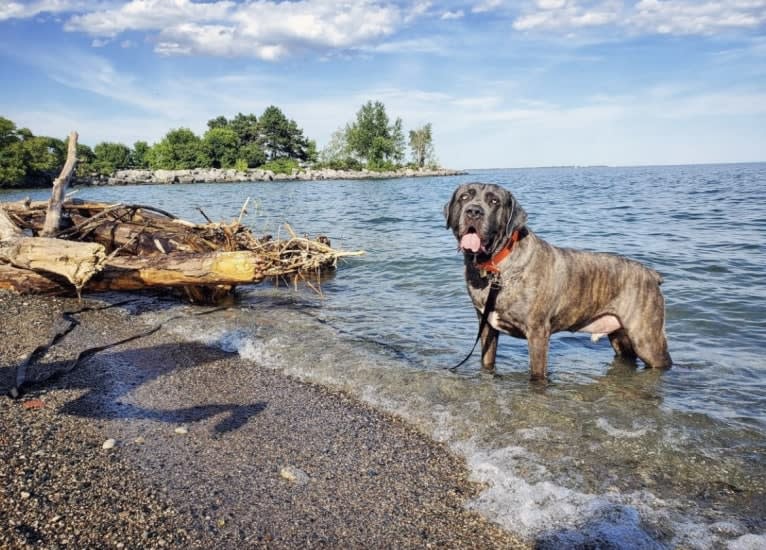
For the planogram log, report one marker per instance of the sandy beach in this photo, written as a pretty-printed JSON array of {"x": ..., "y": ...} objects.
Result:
[{"x": 210, "y": 450}]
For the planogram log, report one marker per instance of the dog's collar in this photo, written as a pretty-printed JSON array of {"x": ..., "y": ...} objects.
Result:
[{"x": 493, "y": 264}]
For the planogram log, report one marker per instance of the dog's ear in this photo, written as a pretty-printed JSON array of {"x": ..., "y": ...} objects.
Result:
[
  {"x": 515, "y": 215},
  {"x": 450, "y": 211}
]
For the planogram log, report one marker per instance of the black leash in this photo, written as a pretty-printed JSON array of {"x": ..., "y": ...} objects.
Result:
[{"x": 489, "y": 307}]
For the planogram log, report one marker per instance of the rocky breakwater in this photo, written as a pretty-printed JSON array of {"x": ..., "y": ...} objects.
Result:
[{"x": 219, "y": 175}]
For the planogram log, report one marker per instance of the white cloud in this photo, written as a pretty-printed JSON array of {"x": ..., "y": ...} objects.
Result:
[
  {"x": 447, "y": 15},
  {"x": 688, "y": 17},
  {"x": 562, "y": 14},
  {"x": 487, "y": 5},
  {"x": 646, "y": 16},
  {"x": 23, "y": 10},
  {"x": 263, "y": 28},
  {"x": 147, "y": 15}
]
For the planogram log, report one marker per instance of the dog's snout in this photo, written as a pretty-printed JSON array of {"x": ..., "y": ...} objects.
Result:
[{"x": 474, "y": 211}]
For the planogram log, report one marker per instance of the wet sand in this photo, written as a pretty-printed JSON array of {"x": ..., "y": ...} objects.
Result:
[{"x": 211, "y": 451}]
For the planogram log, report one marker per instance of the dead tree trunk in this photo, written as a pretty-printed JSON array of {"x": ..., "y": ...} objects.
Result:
[{"x": 53, "y": 215}]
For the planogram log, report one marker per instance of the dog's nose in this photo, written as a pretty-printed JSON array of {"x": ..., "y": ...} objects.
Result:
[{"x": 474, "y": 211}]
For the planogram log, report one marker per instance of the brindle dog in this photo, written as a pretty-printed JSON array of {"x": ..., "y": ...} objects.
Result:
[{"x": 546, "y": 289}]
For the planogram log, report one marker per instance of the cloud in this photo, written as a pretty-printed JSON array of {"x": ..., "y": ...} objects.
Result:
[
  {"x": 563, "y": 14},
  {"x": 487, "y": 5},
  {"x": 645, "y": 16},
  {"x": 264, "y": 29},
  {"x": 24, "y": 10},
  {"x": 447, "y": 15},
  {"x": 142, "y": 15},
  {"x": 687, "y": 17}
]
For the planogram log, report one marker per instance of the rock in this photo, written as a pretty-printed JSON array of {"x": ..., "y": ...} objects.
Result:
[
  {"x": 229, "y": 175},
  {"x": 25, "y": 495},
  {"x": 181, "y": 430},
  {"x": 294, "y": 475},
  {"x": 139, "y": 440},
  {"x": 109, "y": 444}
]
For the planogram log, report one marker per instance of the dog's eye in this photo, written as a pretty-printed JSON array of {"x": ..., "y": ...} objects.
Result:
[
  {"x": 465, "y": 197},
  {"x": 494, "y": 201}
]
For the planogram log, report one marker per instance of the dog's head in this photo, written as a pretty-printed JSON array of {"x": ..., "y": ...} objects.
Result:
[{"x": 483, "y": 216}]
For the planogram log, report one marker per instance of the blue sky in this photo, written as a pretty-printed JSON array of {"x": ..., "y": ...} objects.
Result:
[{"x": 504, "y": 83}]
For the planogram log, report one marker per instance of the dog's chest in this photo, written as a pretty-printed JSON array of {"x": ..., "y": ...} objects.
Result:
[{"x": 500, "y": 318}]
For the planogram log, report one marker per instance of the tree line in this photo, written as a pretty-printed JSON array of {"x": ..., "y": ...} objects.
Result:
[{"x": 271, "y": 141}]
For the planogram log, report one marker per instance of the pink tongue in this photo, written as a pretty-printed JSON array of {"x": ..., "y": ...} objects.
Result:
[{"x": 470, "y": 241}]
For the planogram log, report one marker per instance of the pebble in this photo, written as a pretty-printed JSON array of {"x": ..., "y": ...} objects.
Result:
[
  {"x": 109, "y": 444},
  {"x": 182, "y": 430},
  {"x": 294, "y": 475},
  {"x": 139, "y": 440},
  {"x": 25, "y": 495}
]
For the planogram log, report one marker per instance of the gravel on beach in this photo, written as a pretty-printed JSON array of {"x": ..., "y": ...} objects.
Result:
[{"x": 162, "y": 443}]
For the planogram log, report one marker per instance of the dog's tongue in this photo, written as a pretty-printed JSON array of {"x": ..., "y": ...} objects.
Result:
[{"x": 471, "y": 241}]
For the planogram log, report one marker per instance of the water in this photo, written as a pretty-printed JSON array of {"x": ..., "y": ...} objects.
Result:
[{"x": 607, "y": 454}]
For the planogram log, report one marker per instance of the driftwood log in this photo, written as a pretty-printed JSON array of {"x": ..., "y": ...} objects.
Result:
[{"x": 66, "y": 245}]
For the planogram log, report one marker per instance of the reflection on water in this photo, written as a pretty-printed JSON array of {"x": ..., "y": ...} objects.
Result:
[{"x": 608, "y": 453}]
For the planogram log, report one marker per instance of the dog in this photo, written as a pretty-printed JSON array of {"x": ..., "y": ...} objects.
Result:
[{"x": 535, "y": 289}]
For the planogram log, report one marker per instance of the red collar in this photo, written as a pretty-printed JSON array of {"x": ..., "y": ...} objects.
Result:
[{"x": 492, "y": 265}]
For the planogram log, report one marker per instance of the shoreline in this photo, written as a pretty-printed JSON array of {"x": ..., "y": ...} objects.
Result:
[
  {"x": 261, "y": 459},
  {"x": 221, "y": 175}
]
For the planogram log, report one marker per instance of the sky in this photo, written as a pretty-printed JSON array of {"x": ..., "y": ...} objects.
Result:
[{"x": 504, "y": 83}]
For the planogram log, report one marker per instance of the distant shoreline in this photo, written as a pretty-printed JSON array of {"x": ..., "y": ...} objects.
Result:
[{"x": 221, "y": 175}]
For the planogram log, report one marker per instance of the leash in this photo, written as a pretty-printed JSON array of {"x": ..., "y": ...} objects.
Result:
[
  {"x": 491, "y": 266},
  {"x": 489, "y": 307}
]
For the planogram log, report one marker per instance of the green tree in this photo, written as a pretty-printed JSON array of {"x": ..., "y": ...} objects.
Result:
[
  {"x": 110, "y": 157},
  {"x": 397, "y": 137},
  {"x": 217, "y": 122},
  {"x": 246, "y": 128},
  {"x": 12, "y": 165},
  {"x": 180, "y": 149},
  {"x": 139, "y": 155},
  {"x": 373, "y": 139},
  {"x": 85, "y": 158},
  {"x": 274, "y": 133},
  {"x": 421, "y": 145},
  {"x": 8, "y": 133},
  {"x": 13, "y": 169},
  {"x": 221, "y": 146},
  {"x": 252, "y": 155}
]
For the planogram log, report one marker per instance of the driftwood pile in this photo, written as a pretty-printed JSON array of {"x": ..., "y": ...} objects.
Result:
[{"x": 65, "y": 245}]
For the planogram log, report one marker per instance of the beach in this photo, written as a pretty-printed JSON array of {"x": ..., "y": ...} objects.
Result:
[{"x": 209, "y": 449}]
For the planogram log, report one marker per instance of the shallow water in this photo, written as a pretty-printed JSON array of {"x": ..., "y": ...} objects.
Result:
[{"x": 609, "y": 453}]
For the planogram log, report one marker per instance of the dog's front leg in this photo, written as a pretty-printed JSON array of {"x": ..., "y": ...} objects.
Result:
[
  {"x": 538, "y": 340},
  {"x": 489, "y": 338}
]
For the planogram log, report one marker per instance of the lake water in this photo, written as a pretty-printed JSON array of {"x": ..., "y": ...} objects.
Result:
[{"x": 609, "y": 453}]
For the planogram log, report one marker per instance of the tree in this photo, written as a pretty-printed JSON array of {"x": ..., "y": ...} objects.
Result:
[
  {"x": 397, "y": 137},
  {"x": 180, "y": 149},
  {"x": 372, "y": 139},
  {"x": 252, "y": 154},
  {"x": 421, "y": 145},
  {"x": 139, "y": 156},
  {"x": 274, "y": 133},
  {"x": 85, "y": 158},
  {"x": 217, "y": 122},
  {"x": 8, "y": 133},
  {"x": 246, "y": 128},
  {"x": 111, "y": 157},
  {"x": 221, "y": 146}
]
